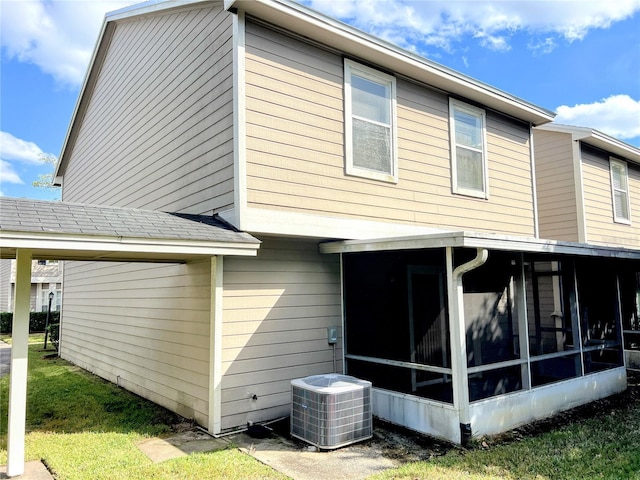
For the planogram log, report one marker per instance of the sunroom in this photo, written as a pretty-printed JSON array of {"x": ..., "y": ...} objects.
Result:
[{"x": 470, "y": 334}]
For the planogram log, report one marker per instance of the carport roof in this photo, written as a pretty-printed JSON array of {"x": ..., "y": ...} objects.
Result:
[{"x": 75, "y": 231}]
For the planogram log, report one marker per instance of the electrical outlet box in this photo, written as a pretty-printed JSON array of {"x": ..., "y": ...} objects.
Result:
[{"x": 332, "y": 335}]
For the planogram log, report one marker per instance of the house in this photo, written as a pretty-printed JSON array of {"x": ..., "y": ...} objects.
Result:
[
  {"x": 589, "y": 191},
  {"x": 394, "y": 198},
  {"x": 46, "y": 278}
]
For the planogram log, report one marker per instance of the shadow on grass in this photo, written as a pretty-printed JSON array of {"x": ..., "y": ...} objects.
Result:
[{"x": 64, "y": 398}]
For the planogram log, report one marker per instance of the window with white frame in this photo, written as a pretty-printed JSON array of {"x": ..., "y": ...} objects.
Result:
[
  {"x": 620, "y": 190},
  {"x": 468, "y": 149},
  {"x": 370, "y": 123}
]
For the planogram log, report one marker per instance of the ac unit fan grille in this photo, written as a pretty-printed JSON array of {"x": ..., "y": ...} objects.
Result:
[{"x": 331, "y": 420}]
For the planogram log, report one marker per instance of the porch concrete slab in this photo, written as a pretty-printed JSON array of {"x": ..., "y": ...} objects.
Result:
[
  {"x": 300, "y": 461},
  {"x": 34, "y": 470}
]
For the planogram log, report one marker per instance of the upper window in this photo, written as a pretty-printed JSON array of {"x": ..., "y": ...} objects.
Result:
[
  {"x": 370, "y": 123},
  {"x": 620, "y": 190},
  {"x": 468, "y": 151}
]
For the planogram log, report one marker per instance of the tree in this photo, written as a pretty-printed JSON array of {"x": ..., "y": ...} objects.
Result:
[{"x": 45, "y": 180}]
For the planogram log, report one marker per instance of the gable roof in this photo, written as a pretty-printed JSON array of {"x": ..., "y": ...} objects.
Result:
[
  {"x": 73, "y": 231},
  {"x": 301, "y": 20},
  {"x": 595, "y": 138}
]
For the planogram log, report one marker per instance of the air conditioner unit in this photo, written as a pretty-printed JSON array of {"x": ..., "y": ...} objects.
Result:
[{"x": 331, "y": 411}]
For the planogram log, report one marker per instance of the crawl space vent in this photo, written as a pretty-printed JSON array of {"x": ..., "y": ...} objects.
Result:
[{"x": 331, "y": 411}]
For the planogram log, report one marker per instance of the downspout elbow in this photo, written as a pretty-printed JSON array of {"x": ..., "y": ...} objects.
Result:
[{"x": 481, "y": 257}]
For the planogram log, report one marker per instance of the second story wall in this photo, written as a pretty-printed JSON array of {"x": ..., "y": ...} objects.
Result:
[
  {"x": 158, "y": 129},
  {"x": 296, "y": 148},
  {"x": 598, "y": 200},
  {"x": 555, "y": 185}
]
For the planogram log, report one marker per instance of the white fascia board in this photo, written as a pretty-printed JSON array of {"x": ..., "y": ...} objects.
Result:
[
  {"x": 71, "y": 243},
  {"x": 479, "y": 240},
  {"x": 342, "y": 37}
]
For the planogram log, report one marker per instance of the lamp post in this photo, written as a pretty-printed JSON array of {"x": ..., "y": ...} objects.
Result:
[{"x": 46, "y": 325}]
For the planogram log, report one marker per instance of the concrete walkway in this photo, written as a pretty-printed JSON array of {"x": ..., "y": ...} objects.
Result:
[
  {"x": 5, "y": 358},
  {"x": 296, "y": 459}
]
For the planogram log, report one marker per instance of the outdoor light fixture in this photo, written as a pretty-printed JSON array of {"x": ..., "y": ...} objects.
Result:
[{"x": 46, "y": 325}]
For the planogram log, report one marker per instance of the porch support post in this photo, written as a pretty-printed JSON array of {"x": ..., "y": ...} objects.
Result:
[
  {"x": 458, "y": 335},
  {"x": 19, "y": 360},
  {"x": 215, "y": 346}
]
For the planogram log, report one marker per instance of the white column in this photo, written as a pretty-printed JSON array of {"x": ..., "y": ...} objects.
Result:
[
  {"x": 215, "y": 346},
  {"x": 19, "y": 358}
]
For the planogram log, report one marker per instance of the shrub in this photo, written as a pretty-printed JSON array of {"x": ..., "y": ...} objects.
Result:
[
  {"x": 37, "y": 321},
  {"x": 54, "y": 334}
]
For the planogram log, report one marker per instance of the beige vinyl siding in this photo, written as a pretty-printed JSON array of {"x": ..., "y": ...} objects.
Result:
[
  {"x": 276, "y": 310},
  {"x": 144, "y": 327},
  {"x": 295, "y": 148},
  {"x": 157, "y": 132},
  {"x": 5, "y": 286},
  {"x": 601, "y": 227},
  {"x": 555, "y": 186}
]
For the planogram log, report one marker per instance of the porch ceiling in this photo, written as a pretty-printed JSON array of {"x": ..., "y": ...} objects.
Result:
[
  {"x": 73, "y": 231},
  {"x": 479, "y": 240}
]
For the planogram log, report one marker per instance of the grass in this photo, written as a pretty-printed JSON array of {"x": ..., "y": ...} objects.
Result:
[{"x": 83, "y": 427}]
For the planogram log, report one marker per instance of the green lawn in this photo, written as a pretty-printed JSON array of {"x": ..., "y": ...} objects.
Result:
[{"x": 82, "y": 427}]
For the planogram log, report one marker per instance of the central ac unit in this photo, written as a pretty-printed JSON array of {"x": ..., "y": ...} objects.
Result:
[{"x": 331, "y": 411}]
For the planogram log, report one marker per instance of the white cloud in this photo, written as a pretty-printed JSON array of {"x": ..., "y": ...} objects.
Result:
[
  {"x": 617, "y": 115},
  {"x": 57, "y": 36},
  {"x": 444, "y": 23},
  {"x": 12, "y": 148},
  {"x": 8, "y": 174}
]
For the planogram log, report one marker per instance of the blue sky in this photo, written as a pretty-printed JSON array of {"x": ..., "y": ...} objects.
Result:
[{"x": 580, "y": 59}]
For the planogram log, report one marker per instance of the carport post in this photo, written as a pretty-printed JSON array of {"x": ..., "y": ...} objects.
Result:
[{"x": 19, "y": 359}]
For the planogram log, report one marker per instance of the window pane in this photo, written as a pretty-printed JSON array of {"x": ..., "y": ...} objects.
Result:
[
  {"x": 468, "y": 129},
  {"x": 494, "y": 382},
  {"x": 469, "y": 169},
  {"x": 370, "y": 100},
  {"x": 621, "y": 204},
  {"x": 371, "y": 146},
  {"x": 618, "y": 176}
]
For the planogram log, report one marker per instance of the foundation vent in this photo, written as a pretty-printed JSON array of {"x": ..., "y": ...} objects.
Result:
[{"x": 331, "y": 411}]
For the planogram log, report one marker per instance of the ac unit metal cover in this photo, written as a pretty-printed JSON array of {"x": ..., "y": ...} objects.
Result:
[{"x": 331, "y": 411}]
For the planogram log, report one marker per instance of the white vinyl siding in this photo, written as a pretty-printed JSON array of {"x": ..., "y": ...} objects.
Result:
[
  {"x": 468, "y": 151},
  {"x": 276, "y": 310},
  {"x": 370, "y": 123},
  {"x": 620, "y": 191}
]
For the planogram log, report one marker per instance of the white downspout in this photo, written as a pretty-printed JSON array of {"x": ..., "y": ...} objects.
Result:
[
  {"x": 458, "y": 336},
  {"x": 19, "y": 361}
]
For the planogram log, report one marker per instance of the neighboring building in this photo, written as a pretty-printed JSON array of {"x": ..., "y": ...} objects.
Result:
[
  {"x": 588, "y": 188},
  {"x": 394, "y": 199},
  {"x": 46, "y": 278}
]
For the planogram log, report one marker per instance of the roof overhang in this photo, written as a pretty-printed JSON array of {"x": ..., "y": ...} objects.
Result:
[
  {"x": 75, "y": 231},
  {"x": 297, "y": 18},
  {"x": 596, "y": 139},
  {"x": 479, "y": 240},
  {"x": 58, "y": 246}
]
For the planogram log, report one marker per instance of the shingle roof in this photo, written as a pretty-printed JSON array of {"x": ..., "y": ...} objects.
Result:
[{"x": 113, "y": 227}]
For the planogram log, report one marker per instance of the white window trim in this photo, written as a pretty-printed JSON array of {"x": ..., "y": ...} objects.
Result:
[
  {"x": 470, "y": 109},
  {"x": 376, "y": 76},
  {"x": 614, "y": 161}
]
